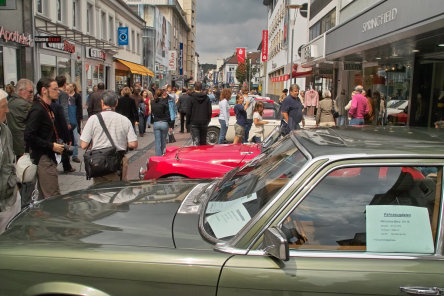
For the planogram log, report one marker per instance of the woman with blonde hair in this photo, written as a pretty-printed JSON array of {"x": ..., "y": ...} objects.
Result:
[
  {"x": 324, "y": 115},
  {"x": 224, "y": 114},
  {"x": 257, "y": 132}
]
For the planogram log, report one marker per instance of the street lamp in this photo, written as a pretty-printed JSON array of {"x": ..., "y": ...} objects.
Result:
[{"x": 292, "y": 6}]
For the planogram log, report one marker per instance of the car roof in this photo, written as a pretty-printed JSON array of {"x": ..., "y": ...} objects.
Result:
[{"x": 372, "y": 141}]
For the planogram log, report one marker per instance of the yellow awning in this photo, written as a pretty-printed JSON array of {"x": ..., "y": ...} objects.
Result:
[{"x": 136, "y": 68}]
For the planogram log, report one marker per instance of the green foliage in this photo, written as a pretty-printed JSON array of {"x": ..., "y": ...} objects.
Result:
[{"x": 241, "y": 73}]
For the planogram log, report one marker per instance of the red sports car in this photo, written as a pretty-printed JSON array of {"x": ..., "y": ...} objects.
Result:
[{"x": 208, "y": 161}]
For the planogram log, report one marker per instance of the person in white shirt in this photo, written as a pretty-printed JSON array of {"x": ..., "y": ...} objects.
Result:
[
  {"x": 224, "y": 115},
  {"x": 120, "y": 129},
  {"x": 257, "y": 131}
]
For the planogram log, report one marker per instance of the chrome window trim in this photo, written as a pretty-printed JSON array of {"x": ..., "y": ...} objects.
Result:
[{"x": 353, "y": 255}]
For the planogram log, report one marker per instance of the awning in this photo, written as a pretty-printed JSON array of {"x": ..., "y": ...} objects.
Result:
[{"x": 136, "y": 68}]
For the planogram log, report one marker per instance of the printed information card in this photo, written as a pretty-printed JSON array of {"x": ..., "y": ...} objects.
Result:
[{"x": 400, "y": 229}]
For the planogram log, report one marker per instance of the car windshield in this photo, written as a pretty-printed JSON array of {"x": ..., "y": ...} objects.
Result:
[{"x": 242, "y": 193}]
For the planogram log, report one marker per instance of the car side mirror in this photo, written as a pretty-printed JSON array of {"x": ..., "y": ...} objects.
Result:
[{"x": 275, "y": 244}]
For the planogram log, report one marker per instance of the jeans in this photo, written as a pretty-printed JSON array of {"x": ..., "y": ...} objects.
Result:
[
  {"x": 199, "y": 133},
  {"x": 141, "y": 123},
  {"x": 342, "y": 120},
  {"x": 247, "y": 130},
  {"x": 356, "y": 121},
  {"x": 75, "y": 143},
  {"x": 223, "y": 132},
  {"x": 160, "y": 134}
]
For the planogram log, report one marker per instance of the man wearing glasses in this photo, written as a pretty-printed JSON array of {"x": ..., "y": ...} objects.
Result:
[
  {"x": 42, "y": 137},
  {"x": 19, "y": 106}
]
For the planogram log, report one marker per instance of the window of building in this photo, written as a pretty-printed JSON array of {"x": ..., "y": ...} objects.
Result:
[
  {"x": 111, "y": 32},
  {"x": 76, "y": 14},
  {"x": 133, "y": 41},
  {"x": 103, "y": 19},
  {"x": 90, "y": 19},
  {"x": 40, "y": 6},
  {"x": 338, "y": 214},
  {"x": 323, "y": 25},
  {"x": 59, "y": 10},
  {"x": 138, "y": 43}
]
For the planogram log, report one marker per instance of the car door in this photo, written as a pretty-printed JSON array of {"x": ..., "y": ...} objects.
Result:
[{"x": 352, "y": 234}]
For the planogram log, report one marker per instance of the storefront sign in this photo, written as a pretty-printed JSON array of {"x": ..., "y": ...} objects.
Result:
[
  {"x": 264, "y": 45},
  {"x": 15, "y": 37},
  {"x": 65, "y": 46},
  {"x": 95, "y": 53},
  {"x": 352, "y": 67},
  {"x": 48, "y": 39},
  {"x": 181, "y": 59},
  {"x": 172, "y": 60},
  {"x": 380, "y": 20}
]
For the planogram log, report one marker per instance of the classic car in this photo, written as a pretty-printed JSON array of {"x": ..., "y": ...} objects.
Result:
[
  {"x": 205, "y": 161},
  {"x": 286, "y": 223}
]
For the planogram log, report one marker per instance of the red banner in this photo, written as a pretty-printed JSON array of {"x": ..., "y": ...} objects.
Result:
[
  {"x": 240, "y": 55},
  {"x": 264, "y": 45}
]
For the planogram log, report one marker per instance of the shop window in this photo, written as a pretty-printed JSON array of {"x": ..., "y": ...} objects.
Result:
[
  {"x": 64, "y": 67},
  {"x": 48, "y": 66},
  {"x": 2, "y": 77},
  {"x": 369, "y": 209}
]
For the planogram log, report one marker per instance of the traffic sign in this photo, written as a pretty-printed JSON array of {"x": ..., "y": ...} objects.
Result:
[{"x": 122, "y": 34}]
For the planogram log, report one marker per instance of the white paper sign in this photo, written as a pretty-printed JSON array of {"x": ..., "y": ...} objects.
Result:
[
  {"x": 401, "y": 229},
  {"x": 230, "y": 221},
  {"x": 217, "y": 206}
]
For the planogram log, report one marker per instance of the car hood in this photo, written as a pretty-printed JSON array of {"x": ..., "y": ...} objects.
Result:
[
  {"x": 227, "y": 154},
  {"x": 136, "y": 214}
]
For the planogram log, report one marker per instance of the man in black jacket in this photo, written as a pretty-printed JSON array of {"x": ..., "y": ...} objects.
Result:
[
  {"x": 184, "y": 108},
  {"x": 41, "y": 136},
  {"x": 200, "y": 115}
]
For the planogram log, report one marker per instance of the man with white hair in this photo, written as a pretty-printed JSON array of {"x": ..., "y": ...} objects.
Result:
[
  {"x": 19, "y": 105},
  {"x": 9, "y": 196}
]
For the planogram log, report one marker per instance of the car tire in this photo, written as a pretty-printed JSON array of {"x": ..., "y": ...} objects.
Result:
[{"x": 213, "y": 135}]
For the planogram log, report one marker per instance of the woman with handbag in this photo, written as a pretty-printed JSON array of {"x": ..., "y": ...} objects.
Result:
[
  {"x": 160, "y": 117},
  {"x": 326, "y": 109}
]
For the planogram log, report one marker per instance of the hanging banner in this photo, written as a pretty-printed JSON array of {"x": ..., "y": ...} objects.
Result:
[
  {"x": 181, "y": 59},
  {"x": 240, "y": 55},
  {"x": 264, "y": 45},
  {"x": 122, "y": 35},
  {"x": 172, "y": 60}
]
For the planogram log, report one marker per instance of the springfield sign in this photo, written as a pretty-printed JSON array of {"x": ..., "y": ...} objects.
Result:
[
  {"x": 380, "y": 20},
  {"x": 15, "y": 37}
]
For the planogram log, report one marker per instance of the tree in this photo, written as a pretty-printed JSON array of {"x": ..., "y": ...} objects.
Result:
[{"x": 241, "y": 73}]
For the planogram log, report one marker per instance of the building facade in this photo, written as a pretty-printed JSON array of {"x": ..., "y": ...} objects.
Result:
[
  {"x": 16, "y": 42},
  {"x": 392, "y": 47},
  {"x": 287, "y": 27},
  {"x": 89, "y": 52}
]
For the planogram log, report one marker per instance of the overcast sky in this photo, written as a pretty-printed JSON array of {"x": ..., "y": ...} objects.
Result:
[{"x": 224, "y": 25}]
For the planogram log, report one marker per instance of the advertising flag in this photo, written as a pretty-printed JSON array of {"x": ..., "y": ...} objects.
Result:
[
  {"x": 240, "y": 55},
  {"x": 264, "y": 45}
]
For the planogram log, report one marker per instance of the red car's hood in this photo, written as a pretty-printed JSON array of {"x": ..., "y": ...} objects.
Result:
[{"x": 228, "y": 154}]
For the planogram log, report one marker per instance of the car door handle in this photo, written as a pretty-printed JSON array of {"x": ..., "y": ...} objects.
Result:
[
  {"x": 247, "y": 152},
  {"x": 422, "y": 290}
]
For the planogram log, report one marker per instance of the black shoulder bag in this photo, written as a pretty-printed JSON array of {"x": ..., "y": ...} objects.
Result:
[{"x": 101, "y": 162}]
